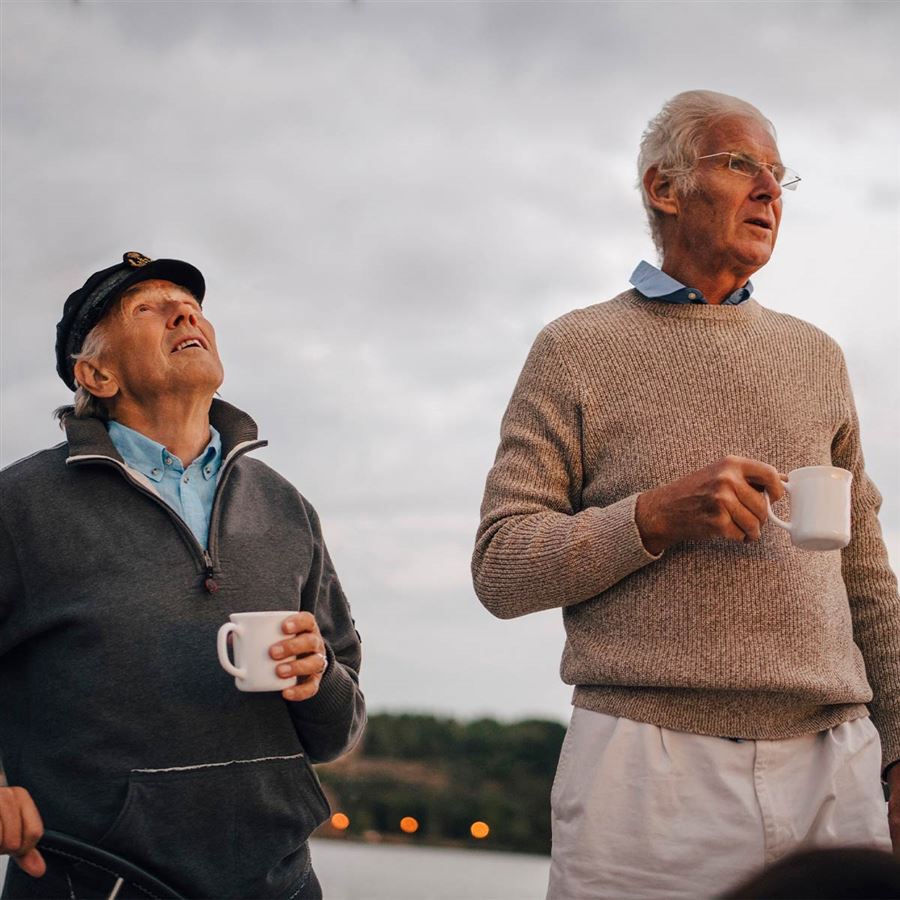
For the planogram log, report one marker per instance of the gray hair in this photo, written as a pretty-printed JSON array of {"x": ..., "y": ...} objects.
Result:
[{"x": 672, "y": 140}]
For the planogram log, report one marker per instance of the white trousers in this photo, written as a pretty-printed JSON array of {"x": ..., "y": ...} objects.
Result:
[{"x": 644, "y": 812}]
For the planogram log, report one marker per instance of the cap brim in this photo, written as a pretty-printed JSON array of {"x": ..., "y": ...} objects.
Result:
[{"x": 174, "y": 270}]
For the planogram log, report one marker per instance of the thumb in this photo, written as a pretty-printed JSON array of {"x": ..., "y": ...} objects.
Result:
[{"x": 32, "y": 863}]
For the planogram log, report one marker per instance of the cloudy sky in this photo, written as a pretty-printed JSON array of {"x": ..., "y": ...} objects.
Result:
[{"x": 388, "y": 201}]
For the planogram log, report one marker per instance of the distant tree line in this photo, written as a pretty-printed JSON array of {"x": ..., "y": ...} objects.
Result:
[{"x": 446, "y": 775}]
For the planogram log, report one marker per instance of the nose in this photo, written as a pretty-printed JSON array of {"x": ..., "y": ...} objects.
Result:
[
  {"x": 182, "y": 313},
  {"x": 766, "y": 188}
]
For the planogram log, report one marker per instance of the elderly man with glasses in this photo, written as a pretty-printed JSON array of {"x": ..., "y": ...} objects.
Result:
[{"x": 735, "y": 696}]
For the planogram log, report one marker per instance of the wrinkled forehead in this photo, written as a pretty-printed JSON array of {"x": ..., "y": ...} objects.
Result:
[{"x": 741, "y": 135}]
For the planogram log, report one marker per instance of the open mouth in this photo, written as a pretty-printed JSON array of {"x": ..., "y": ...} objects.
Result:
[{"x": 187, "y": 343}]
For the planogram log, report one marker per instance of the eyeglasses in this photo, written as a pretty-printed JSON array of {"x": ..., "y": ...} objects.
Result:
[{"x": 750, "y": 168}]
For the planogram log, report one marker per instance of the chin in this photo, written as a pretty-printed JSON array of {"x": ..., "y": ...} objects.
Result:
[
  {"x": 215, "y": 381},
  {"x": 754, "y": 257}
]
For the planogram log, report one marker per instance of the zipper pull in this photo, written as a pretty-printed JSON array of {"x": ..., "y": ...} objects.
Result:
[{"x": 209, "y": 582}]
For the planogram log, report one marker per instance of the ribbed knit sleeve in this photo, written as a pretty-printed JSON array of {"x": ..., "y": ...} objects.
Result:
[
  {"x": 332, "y": 721},
  {"x": 536, "y": 547},
  {"x": 871, "y": 584}
]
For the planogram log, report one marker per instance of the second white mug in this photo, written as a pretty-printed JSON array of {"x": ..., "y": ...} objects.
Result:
[{"x": 820, "y": 508}]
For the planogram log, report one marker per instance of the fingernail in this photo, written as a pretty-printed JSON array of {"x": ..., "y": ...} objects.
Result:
[
  {"x": 284, "y": 669},
  {"x": 290, "y": 693},
  {"x": 278, "y": 652},
  {"x": 291, "y": 626}
]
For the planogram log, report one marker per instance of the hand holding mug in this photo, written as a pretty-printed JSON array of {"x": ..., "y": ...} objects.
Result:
[
  {"x": 265, "y": 661},
  {"x": 301, "y": 655},
  {"x": 725, "y": 499}
]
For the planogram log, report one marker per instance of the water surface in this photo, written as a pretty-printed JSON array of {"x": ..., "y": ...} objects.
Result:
[{"x": 390, "y": 872}]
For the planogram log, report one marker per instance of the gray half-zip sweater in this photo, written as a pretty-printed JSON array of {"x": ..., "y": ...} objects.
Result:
[{"x": 114, "y": 711}]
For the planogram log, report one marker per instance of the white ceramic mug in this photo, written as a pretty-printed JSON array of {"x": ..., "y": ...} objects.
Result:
[
  {"x": 254, "y": 634},
  {"x": 820, "y": 508}
]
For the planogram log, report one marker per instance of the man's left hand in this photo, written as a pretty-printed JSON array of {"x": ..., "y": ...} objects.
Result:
[
  {"x": 893, "y": 780},
  {"x": 302, "y": 654}
]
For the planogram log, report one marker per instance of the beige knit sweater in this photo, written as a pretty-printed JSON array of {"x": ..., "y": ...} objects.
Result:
[{"x": 756, "y": 640}]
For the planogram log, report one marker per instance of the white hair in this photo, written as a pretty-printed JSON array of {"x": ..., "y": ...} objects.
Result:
[
  {"x": 85, "y": 404},
  {"x": 673, "y": 138}
]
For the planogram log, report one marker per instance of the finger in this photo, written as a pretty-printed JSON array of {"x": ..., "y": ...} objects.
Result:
[
  {"x": 296, "y": 623},
  {"x": 764, "y": 475},
  {"x": 32, "y": 825},
  {"x": 304, "y": 643},
  {"x": 753, "y": 500},
  {"x": 304, "y": 690},
  {"x": 313, "y": 664},
  {"x": 745, "y": 520},
  {"x": 11, "y": 823},
  {"x": 726, "y": 527},
  {"x": 32, "y": 863}
]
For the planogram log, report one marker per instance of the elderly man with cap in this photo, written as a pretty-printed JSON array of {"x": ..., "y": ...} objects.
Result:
[
  {"x": 122, "y": 552},
  {"x": 735, "y": 696}
]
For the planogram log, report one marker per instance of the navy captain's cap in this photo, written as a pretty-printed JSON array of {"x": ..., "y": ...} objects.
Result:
[{"x": 86, "y": 307}]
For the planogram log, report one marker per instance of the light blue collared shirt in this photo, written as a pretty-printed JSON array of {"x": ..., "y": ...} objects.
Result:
[
  {"x": 189, "y": 492},
  {"x": 656, "y": 285}
]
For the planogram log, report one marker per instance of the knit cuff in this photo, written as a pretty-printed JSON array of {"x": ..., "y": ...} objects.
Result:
[
  {"x": 632, "y": 500},
  {"x": 335, "y": 694},
  {"x": 620, "y": 537}
]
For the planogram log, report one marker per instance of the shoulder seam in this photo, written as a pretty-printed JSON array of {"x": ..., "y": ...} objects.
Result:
[{"x": 25, "y": 459}]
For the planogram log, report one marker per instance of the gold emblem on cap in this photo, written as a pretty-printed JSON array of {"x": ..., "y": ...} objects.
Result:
[{"x": 135, "y": 259}]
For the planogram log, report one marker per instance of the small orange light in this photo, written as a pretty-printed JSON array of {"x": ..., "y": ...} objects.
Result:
[
  {"x": 480, "y": 830},
  {"x": 340, "y": 821},
  {"x": 408, "y": 825}
]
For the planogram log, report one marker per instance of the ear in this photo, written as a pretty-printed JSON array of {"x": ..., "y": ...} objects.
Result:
[
  {"x": 660, "y": 191},
  {"x": 97, "y": 380}
]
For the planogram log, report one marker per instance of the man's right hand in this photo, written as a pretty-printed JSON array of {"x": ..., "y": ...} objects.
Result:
[
  {"x": 20, "y": 830},
  {"x": 725, "y": 499}
]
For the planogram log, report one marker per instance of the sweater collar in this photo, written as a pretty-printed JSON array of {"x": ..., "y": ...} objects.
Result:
[{"x": 89, "y": 437}]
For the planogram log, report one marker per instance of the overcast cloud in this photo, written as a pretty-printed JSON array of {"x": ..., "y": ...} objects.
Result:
[{"x": 388, "y": 200}]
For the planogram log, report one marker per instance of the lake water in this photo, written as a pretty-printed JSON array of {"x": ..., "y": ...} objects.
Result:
[
  {"x": 351, "y": 871},
  {"x": 390, "y": 872}
]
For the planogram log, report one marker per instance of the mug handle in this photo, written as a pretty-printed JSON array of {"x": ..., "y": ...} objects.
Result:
[
  {"x": 772, "y": 517},
  {"x": 222, "y": 647}
]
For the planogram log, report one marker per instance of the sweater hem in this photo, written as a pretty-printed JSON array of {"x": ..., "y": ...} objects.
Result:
[{"x": 735, "y": 714}]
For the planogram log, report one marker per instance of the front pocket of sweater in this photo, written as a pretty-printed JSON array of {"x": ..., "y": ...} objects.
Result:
[{"x": 230, "y": 829}]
